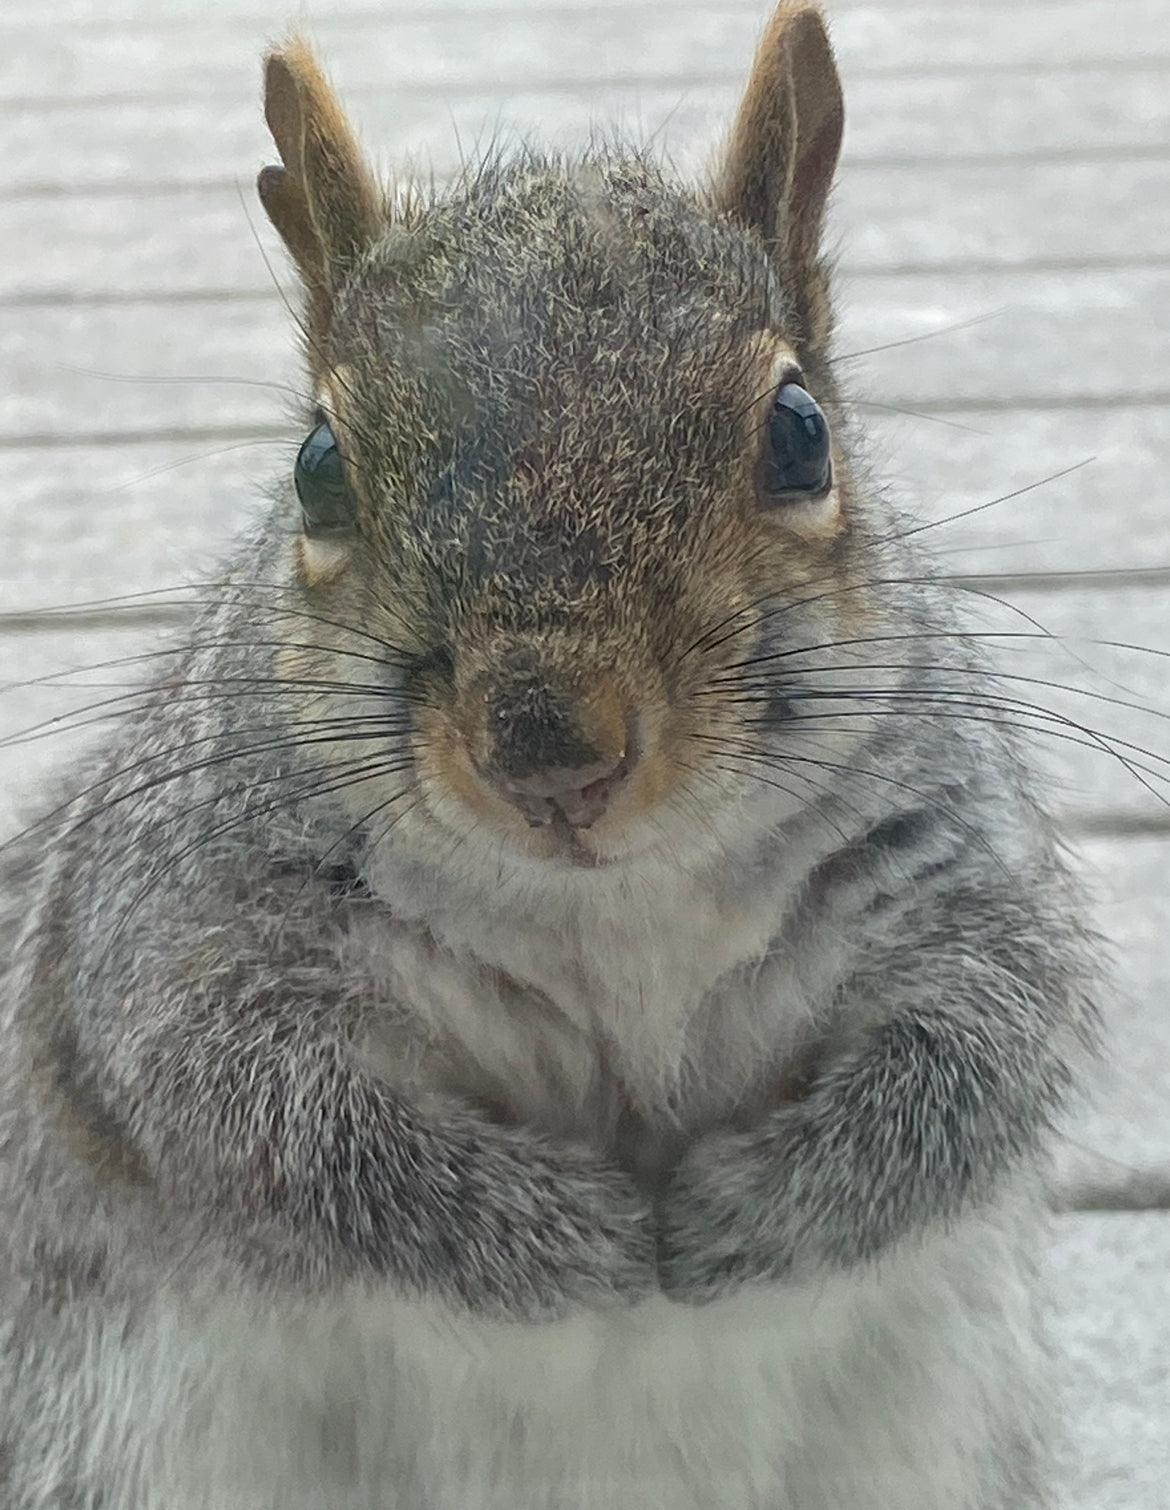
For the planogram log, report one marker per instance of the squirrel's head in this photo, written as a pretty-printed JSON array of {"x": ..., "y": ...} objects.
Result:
[{"x": 574, "y": 483}]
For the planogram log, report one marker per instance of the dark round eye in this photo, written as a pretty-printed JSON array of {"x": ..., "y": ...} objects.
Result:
[
  {"x": 796, "y": 457},
  {"x": 326, "y": 501}
]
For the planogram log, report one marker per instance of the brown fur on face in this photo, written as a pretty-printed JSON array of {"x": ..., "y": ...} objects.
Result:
[{"x": 551, "y": 389}]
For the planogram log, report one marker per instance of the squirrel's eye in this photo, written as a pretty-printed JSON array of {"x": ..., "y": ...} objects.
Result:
[
  {"x": 797, "y": 454},
  {"x": 326, "y": 501}
]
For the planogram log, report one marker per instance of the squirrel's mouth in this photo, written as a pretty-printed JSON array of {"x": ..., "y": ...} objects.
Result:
[{"x": 569, "y": 800}]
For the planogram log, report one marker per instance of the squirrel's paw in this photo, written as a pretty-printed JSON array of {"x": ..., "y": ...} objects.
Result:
[
  {"x": 617, "y": 1253},
  {"x": 580, "y": 1229},
  {"x": 722, "y": 1221}
]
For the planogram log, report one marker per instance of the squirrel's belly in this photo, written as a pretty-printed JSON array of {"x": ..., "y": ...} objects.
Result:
[{"x": 372, "y": 1403}]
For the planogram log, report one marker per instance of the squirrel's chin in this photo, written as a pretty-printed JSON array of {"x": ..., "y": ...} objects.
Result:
[{"x": 570, "y": 846}]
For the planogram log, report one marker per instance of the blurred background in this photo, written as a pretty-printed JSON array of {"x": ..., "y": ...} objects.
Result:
[{"x": 1003, "y": 228}]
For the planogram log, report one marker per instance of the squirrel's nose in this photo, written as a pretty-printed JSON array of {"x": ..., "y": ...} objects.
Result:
[
  {"x": 578, "y": 794},
  {"x": 557, "y": 756}
]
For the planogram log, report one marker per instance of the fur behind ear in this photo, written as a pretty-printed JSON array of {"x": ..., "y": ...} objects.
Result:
[
  {"x": 783, "y": 153},
  {"x": 324, "y": 201}
]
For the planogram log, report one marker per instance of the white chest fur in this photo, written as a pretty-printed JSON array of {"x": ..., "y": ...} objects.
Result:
[
  {"x": 789, "y": 1398},
  {"x": 658, "y": 993}
]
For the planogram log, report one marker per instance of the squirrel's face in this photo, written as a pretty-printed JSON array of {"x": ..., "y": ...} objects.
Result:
[{"x": 575, "y": 468}]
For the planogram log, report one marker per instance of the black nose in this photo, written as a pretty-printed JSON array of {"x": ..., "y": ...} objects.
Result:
[{"x": 543, "y": 764}]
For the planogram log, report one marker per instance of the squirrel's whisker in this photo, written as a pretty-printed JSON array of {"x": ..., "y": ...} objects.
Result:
[
  {"x": 932, "y": 419},
  {"x": 174, "y": 773},
  {"x": 928, "y": 335},
  {"x": 786, "y": 759},
  {"x": 223, "y": 829}
]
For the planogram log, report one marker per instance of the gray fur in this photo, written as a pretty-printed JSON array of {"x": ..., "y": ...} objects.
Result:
[{"x": 355, "y": 1157}]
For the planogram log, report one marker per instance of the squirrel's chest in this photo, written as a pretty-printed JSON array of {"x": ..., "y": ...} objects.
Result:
[{"x": 586, "y": 1021}]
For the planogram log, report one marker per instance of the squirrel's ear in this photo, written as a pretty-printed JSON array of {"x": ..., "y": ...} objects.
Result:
[
  {"x": 324, "y": 201},
  {"x": 783, "y": 152}
]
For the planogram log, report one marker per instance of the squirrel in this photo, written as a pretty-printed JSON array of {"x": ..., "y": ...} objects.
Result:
[{"x": 558, "y": 997}]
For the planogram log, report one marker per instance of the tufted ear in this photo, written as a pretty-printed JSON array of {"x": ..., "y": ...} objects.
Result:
[
  {"x": 324, "y": 201},
  {"x": 783, "y": 153}
]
